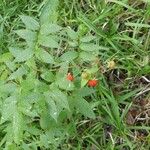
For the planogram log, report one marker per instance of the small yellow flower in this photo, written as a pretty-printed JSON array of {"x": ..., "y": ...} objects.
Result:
[
  {"x": 85, "y": 75},
  {"x": 111, "y": 64}
]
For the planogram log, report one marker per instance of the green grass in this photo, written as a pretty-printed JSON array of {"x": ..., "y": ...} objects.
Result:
[
  {"x": 9, "y": 18},
  {"x": 122, "y": 30}
]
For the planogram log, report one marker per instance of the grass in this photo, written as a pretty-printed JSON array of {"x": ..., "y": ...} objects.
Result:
[
  {"x": 121, "y": 101},
  {"x": 9, "y": 18}
]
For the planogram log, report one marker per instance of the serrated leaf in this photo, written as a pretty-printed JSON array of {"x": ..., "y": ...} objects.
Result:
[
  {"x": 64, "y": 84},
  {"x": 27, "y": 35},
  {"x": 50, "y": 28},
  {"x": 84, "y": 107},
  {"x": 17, "y": 126},
  {"x": 30, "y": 22},
  {"x": 60, "y": 98},
  {"x": 8, "y": 108},
  {"x": 20, "y": 54},
  {"x": 46, "y": 121},
  {"x": 73, "y": 43},
  {"x": 26, "y": 111},
  {"x": 4, "y": 75},
  {"x": 63, "y": 70},
  {"x": 49, "y": 12},
  {"x": 48, "y": 76},
  {"x": 6, "y": 57},
  {"x": 2, "y": 68},
  {"x": 44, "y": 140},
  {"x": 72, "y": 34},
  {"x": 57, "y": 101},
  {"x": 11, "y": 65},
  {"x": 93, "y": 70},
  {"x": 90, "y": 47},
  {"x": 69, "y": 56},
  {"x": 28, "y": 84},
  {"x": 26, "y": 146},
  {"x": 18, "y": 73},
  {"x": 8, "y": 88},
  {"x": 45, "y": 56},
  {"x": 53, "y": 109},
  {"x": 41, "y": 86},
  {"x": 33, "y": 130},
  {"x": 48, "y": 41},
  {"x": 88, "y": 38},
  {"x": 85, "y": 91},
  {"x": 86, "y": 56},
  {"x": 61, "y": 80}
]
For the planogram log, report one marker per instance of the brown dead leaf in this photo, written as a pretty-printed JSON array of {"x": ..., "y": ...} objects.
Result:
[{"x": 130, "y": 119}]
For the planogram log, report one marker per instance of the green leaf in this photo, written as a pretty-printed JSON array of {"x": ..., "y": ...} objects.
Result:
[
  {"x": 48, "y": 76},
  {"x": 48, "y": 41},
  {"x": 20, "y": 54},
  {"x": 64, "y": 84},
  {"x": 63, "y": 70},
  {"x": 33, "y": 130},
  {"x": 45, "y": 57},
  {"x": 10, "y": 146},
  {"x": 18, "y": 73},
  {"x": 8, "y": 108},
  {"x": 6, "y": 57},
  {"x": 8, "y": 88},
  {"x": 11, "y": 65},
  {"x": 85, "y": 91},
  {"x": 46, "y": 121},
  {"x": 84, "y": 107},
  {"x": 69, "y": 56},
  {"x": 26, "y": 111},
  {"x": 48, "y": 13},
  {"x": 44, "y": 140},
  {"x": 26, "y": 34},
  {"x": 90, "y": 47},
  {"x": 17, "y": 126},
  {"x": 61, "y": 79},
  {"x": 57, "y": 101},
  {"x": 60, "y": 98},
  {"x": 2, "y": 68},
  {"x": 72, "y": 34},
  {"x": 53, "y": 109},
  {"x": 50, "y": 28},
  {"x": 73, "y": 43},
  {"x": 86, "y": 56},
  {"x": 93, "y": 70},
  {"x": 84, "y": 82},
  {"x": 88, "y": 38},
  {"x": 4, "y": 75},
  {"x": 30, "y": 22},
  {"x": 26, "y": 146}
]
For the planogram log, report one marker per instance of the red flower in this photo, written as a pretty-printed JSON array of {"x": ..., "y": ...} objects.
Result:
[
  {"x": 70, "y": 77},
  {"x": 92, "y": 83}
]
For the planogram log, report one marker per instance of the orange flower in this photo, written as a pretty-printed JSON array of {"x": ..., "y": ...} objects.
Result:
[
  {"x": 92, "y": 83},
  {"x": 70, "y": 77}
]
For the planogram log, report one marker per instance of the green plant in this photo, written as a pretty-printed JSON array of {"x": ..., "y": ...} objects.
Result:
[
  {"x": 36, "y": 96},
  {"x": 71, "y": 75}
]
